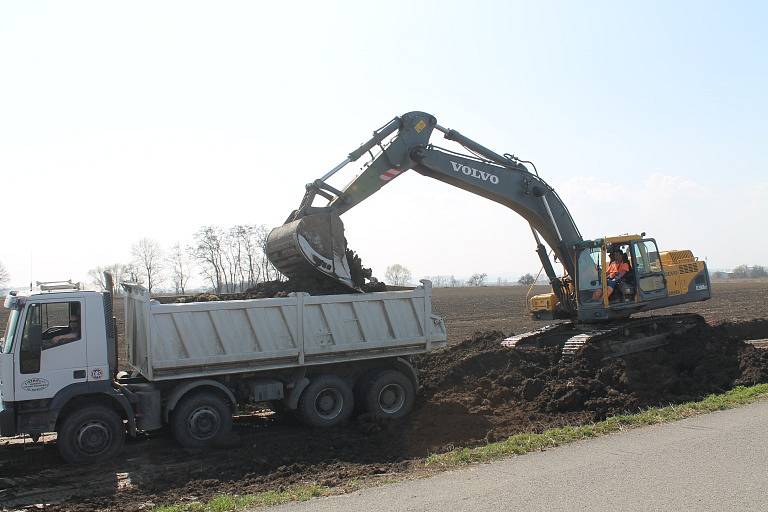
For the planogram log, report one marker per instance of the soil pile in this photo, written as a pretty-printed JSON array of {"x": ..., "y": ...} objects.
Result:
[
  {"x": 319, "y": 284},
  {"x": 508, "y": 391}
]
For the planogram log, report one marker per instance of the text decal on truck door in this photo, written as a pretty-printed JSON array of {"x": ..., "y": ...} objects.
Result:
[{"x": 35, "y": 384}]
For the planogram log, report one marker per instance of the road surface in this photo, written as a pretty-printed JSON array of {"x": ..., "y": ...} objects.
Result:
[{"x": 714, "y": 462}]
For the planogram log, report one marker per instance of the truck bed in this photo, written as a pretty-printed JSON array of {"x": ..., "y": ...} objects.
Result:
[{"x": 172, "y": 341}]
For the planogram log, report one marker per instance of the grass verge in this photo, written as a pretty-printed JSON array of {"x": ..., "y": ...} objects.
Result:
[
  {"x": 232, "y": 503},
  {"x": 514, "y": 445},
  {"x": 525, "y": 443}
]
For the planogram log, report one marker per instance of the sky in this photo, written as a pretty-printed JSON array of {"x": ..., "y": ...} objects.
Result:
[{"x": 124, "y": 120}]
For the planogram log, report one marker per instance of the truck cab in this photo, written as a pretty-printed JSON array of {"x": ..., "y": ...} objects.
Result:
[{"x": 58, "y": 348}]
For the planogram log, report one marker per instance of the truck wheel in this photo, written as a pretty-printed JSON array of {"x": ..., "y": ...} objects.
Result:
[
  {"x": 389, "y": 395},
  {"x": 327, "y": 401},
  {"x": 201, "y": 421},
  {"x": 90, "y": 435}
]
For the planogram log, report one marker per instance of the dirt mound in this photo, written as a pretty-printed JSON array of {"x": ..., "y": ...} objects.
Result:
[
  {"x": 532, "y": 389},
  {"x": 319, "y": 284},
  {"x": 270, "y": 289}
]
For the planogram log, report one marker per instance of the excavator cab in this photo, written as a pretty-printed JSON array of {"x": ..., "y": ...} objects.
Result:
[{"x": 642, "y": 281}]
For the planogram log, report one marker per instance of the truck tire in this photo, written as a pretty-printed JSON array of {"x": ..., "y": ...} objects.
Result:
[
  {"x": 93, "y": 434},
  {"x": 327, "y": 401},
  {"x": 201, "y": 420},
  {"x": 389, "y": 395}
]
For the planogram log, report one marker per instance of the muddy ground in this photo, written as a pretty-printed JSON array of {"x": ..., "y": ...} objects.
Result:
[{"x": 473, "y": 392}]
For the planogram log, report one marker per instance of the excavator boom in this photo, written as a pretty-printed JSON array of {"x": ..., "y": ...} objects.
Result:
[{"x": 312, "y": 240}]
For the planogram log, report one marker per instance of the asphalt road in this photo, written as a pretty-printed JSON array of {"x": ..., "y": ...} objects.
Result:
[{"x": 715, "y": 462}]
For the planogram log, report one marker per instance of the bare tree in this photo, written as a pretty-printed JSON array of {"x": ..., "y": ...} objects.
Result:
[
  {"x": 148, "y": 258},
  {"x": 527, "y": 279},
  {"x": 477, "y": 279},
  {"x": 251, "y": 264},
  {"x": 207, "y": 251},
  {"x": 268, "y": 270},
  {"x": 233, "y": 259},
  {"x": 130, "y": 272},
  {"x": 439, "y": 281},
  {"x": 4, "y": 275},
  {"x": 397, "y": 275},
  {"x": 180, "y": 267}
]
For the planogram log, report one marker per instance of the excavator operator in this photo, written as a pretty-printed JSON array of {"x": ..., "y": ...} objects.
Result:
[{"x": 617, "y": 268}]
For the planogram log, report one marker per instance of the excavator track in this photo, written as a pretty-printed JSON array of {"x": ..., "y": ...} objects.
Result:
[{"x": 615, "y": 339}]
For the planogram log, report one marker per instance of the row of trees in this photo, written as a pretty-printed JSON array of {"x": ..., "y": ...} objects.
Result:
[
  {"x": 234, "y": 259},
  {"x": 743, "y": 272},
  {"x": 228, "y": 260},
  {"x": 477, "y": 279}
]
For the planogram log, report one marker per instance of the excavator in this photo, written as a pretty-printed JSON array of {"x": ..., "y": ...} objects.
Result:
[{"x": 312, "y": 242}]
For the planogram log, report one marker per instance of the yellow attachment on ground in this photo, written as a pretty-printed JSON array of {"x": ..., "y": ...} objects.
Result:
[{"x": 543, "y": 304}]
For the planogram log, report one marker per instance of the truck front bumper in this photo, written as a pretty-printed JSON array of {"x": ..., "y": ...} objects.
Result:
[{"x": 7, "y": 420}]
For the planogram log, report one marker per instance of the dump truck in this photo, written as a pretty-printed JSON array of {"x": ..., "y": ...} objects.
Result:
[{"x": 190, "y": 366}]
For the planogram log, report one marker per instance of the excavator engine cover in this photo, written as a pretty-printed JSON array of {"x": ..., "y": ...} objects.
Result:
[{"x": 311, "y": 244}]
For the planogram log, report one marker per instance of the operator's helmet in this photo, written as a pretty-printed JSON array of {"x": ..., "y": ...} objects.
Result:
[{"x": 614, "y": 249}]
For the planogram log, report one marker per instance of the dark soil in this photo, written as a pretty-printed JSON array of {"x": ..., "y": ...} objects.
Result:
[
  {"x": 319, "y": 284},
  {"x": 528, "y": 389},
  {"x": 473, "y": 392}
]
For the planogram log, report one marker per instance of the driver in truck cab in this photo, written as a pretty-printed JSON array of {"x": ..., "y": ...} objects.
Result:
[
  {"x": 73, "y": 333},
  {"x": 617, "y": 268}
]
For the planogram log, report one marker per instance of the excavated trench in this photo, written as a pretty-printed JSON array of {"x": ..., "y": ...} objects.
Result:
[{"x": 473, "y": 392}]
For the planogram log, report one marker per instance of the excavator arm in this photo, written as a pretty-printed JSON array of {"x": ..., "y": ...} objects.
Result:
[{"x": 312, "y": 238}]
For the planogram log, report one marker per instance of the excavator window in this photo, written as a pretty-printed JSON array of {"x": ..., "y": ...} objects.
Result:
[
  {"x": 589, "y": 273},
  {"x": 647, "y": 257},
  {"x": 648, "y": 267}
]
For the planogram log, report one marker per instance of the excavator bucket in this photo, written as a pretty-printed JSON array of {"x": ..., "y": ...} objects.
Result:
[{"x": 311, "y": 245}]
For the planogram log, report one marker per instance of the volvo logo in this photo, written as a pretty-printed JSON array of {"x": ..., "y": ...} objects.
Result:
[{"x": 475, "y": 173}]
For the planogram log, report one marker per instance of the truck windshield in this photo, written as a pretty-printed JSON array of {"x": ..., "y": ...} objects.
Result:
[{"x": 6, "y": 342}]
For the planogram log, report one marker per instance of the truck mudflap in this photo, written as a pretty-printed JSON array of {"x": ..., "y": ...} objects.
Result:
[{"x": 7, "y": 420}]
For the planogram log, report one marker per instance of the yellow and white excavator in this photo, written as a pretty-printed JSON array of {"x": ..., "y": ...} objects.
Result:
[{"x": 598, "y": 305}]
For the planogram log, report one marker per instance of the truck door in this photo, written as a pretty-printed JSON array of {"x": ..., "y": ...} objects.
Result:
[
  {"x": 51, "y": 353},
  {"x": 649, "y": 274}
]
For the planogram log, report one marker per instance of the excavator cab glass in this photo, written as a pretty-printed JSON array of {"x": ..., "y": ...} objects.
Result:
[
  {"x": 589, "y": 273},
  {"x": 649, "y": 274}
]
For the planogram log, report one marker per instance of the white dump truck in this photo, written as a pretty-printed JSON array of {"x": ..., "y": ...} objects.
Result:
[{"x": 191, "y": 365}]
